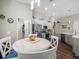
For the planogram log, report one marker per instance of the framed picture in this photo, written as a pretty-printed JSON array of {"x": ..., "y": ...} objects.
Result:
[
  {"x": 2, "y": 16},
  {"x": 10, "y": 20}
]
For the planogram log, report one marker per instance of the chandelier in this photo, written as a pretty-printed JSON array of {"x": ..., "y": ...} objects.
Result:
[{"x": 33, "y": 2}]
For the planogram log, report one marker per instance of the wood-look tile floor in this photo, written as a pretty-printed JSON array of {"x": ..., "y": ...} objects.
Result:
[{"x": 65, "y": 52}]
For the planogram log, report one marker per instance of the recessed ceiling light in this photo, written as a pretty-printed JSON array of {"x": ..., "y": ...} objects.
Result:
[
  {"x": 46, "y": 8},
  {"x": 54, "y": 4}
]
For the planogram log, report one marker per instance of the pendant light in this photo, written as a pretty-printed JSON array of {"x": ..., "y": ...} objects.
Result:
[
  {"x": 33, "y": 3},
  {"x": 38, "y": 3}
]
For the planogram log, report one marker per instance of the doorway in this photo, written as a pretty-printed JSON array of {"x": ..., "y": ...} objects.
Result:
[{"x": 21, "y": 28}]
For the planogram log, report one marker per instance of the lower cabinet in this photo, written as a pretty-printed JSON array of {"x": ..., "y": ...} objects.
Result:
[
  {"x": 74, "y": 42},
  {"x": 76, "y": 46},
  {"x": 69, "y": 39}
]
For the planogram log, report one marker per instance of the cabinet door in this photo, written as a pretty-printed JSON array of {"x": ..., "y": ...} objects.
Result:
[
  {"x": 69, "y": 40},
  {"x": 76, "y": 46},
  {"x": 63, "y": 38}
]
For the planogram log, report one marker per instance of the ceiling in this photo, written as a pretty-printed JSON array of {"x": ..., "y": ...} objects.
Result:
[
  {"x": 24, "y": 1},
  {"x": 62, "y": 8}
]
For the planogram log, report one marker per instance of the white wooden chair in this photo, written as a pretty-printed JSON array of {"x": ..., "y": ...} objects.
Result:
[
  {"x": 5, "y": 45},
  {"x": 54, "y": 44},
  {"x": 54, "y": 41}
]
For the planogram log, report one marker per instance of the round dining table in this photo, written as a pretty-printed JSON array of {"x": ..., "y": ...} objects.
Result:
[
  {"x": 25, "y": 46},
  {"x": 31, "y": 49}
]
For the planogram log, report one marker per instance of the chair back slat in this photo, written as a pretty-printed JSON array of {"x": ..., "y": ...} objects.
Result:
[
  {"x": 54, "y": 41},
  {"x": 5, "y": 45}
]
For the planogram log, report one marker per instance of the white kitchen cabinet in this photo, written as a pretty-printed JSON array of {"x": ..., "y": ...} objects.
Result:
[
  {"x": 69, "y": 39},
  {"x": 76, "y": 44}
]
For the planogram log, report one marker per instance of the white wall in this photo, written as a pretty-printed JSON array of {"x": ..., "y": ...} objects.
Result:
[
  {"x": 75, "y": 19},
  {"x": 74, "y": 25},
  {"x": 14, "y": 10},
  {"x": 43, "y": 20},
  {"x": 64, "y": 21},
  {"x": 39, "y": 17}
]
